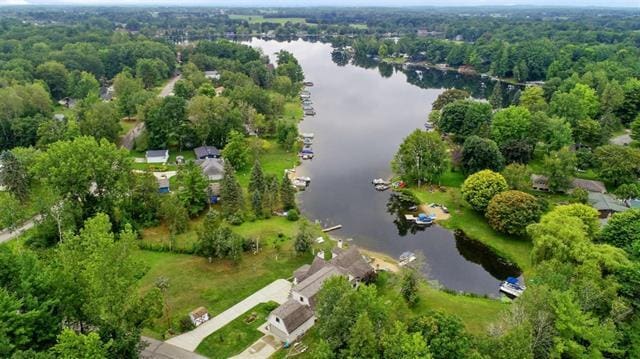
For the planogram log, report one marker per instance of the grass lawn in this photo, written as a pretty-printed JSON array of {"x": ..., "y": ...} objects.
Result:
[
  {"x": 463, "y": 217},
  {"x": 259, "y": 19},
  {"x": 238, "y": 335},
  {"x": 359, "y": 26},
  {"x": 126, "y": 126},
  {"x": 217, "y": 286},
  {"x": 274, "y": 160},
  {"x": 393, "y": 60}
]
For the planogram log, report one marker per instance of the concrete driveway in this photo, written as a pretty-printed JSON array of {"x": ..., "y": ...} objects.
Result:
[
  {"x": 7, "y": 235},
  {"x": 277, "y": 291},
  {"x": 157, "y": 349}
]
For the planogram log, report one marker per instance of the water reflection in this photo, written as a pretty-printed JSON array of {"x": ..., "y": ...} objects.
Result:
[{"x": 476, "y": 252}]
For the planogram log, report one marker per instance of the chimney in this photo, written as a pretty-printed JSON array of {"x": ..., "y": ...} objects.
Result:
[{"x": 340, "y": 243}]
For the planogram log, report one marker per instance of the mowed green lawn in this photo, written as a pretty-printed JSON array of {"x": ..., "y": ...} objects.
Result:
[
  {"x": 235, "y": 337},
  {"x": 258, "y": 19}
]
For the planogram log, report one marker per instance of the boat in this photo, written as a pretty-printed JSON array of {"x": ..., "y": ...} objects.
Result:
[
  {"x": 305, "y": 96},
  {"x": 308, "y": 135},
  {"x": 309, "y": 112},
  {"x": 410, "y": 217},
  {"x": 423, "y": 220},
  {"x": 304, "y": 179},
  {"x": 380, "y": 181},
  {"x": 382, "y": 187},
  {"x": 308, "y": 83},
  {"x": 306, "y": 153},
  {"x": 307, "y": 108},
  {"x": 307, "y": 141},
  {"x": 398, "y": 184},
  {"x": 512, "y": 287},
  {"x": 307, "y": 102},
  {"x": 300, "y": 185},
  {"x": 406, "y": 258},
  {"x": 305, "y": 93}
]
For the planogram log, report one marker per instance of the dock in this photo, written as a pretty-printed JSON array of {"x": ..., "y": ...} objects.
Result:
[{"x": 325, "y": 230}]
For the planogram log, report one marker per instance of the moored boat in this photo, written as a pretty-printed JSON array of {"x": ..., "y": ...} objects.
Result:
[
  {"x": 512, "y": 287},
  {"x": 406, "y": 258}
]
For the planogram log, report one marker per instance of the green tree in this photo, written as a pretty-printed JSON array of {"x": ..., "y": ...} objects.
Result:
[
  {"x": 630, "y": 107},
  {"x": 588, "y": 132},
  {"x": 72, "y": 345},
  {"x": 559, "y": 167},
  {"x": 532, "y": 98},
  {"x": 628, "y": 191},
  {"x": 511, "y": 212},
  {"x": 362, "y": 341},
  {"x": 623, "y": 230},
  {"x": 481, "y": 153},
  {"x": 303, "y": 239},
  {"x": 479, "y": 188},
  {"x": 14, "y": 175},
  {"x": 193, "y": 185},
  {"x": 287, "y": 194},
  {"x": 465, "y": 117},
  {"x": 409, "y": 287},
  {"x": 557, "y": 133},
  {"x": 398, "y": 343},
  {"x": 101, "y": 120},
  {"x": 422, "y": 157},
  {"x": 166, "y": 122},
  {"x": 56, "y": 76},
  {"x": 129, "y": 93},
  {"x": 236, "y": 151},
  {"x": 231, "y": 193},
  {"x": 518, "y": 176},
  {"x": 618, "y": 164},
  {"x": 512, "y": 126},
  {"x": 83, "y": 84},
  {"x": 257, "y": 180},
  {"x": 635, "y": 129},
  {"x": 444, "y": 334},
  {"x": 257, "y": 204},
  {"x": 496, "y": 99},
  {"x": 184, "y": 88},
  {"x": 174, "y": 214},
  {"x": 449, "y": 96},
  {"x": 612, "y": 97},
  {"x": 151, "y": 71}
]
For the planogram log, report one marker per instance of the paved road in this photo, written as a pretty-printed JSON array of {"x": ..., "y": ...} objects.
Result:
[
  {"x": 157, "y": 349},
  {"x": 9, "y": 235},
  {"x": 129, "y": 139},
  {"x": 277, "y": 291}
]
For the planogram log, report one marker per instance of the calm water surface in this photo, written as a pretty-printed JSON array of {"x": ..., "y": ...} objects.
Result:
[{"x": 362, "y": 117}]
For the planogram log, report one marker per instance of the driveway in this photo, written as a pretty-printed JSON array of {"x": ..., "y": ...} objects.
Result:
[
  {"x": 277, "y": 291},
  {"x": 7, "y": 235},
  {"x": 157, "y": 349}
]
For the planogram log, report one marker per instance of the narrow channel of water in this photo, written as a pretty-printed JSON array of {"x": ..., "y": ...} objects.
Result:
[{"x": 363, "y": 114}]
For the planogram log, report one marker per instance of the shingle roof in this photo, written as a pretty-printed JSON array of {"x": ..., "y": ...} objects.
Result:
[
  {"x": 206, "y": 151},
  {"x": 157, "y": 153},
  {"x": 293, "y": 314},
  {"x": 351, "y": 262},
  {"x": 603, "y": 202},
  {"x": 211, "y": 167},
  {"x": 312, "y": 284},
  {"x": 301, "y": 273},
  {"x": 589, "y": 185},
  {"x": 199, "y": 312}
]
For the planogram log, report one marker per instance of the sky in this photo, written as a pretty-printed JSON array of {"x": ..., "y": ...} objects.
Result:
[{"x": 284, "y": 3}]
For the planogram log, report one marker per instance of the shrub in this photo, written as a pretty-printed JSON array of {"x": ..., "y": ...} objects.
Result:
[
  {"x": 511, "y": 212},
  {"x": 479, "y": 188},
  {"x": 185, "y": 324},
  {"x": 235, "y": 219},
  {"x": 580, "y": 195},
  {"x": 293, "y": 215}
]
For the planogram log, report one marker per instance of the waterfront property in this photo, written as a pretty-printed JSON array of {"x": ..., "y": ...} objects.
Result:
[{"x": 293, "y": 318}]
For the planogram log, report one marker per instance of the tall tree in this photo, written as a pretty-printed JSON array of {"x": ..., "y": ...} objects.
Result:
[
  {"x": 303, "y": 238},
  {"x": 479, "y": 154},
  {"x": 287, "y": 194},
  {"x": 231, "y": 193},
  {"x": 129, "y": 93},
  {"x": 362, "y": 341},
  {"x": 422, "y": 157},
  {"x": 559, "y": 167},
  {"x": 193, "y": 186},
  {"x": 14, "y": 176},
  {"x": 236, "y": 151}
]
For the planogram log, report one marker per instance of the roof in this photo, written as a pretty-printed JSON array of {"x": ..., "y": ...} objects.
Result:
[
  {"x": 211, "y": 167},
  {"x": 206, "y": 151},
  {"x": 604, "y": 202},
  {"x": 199, "y": 312},
  {"x": 157, "y": 153},
  {"x": 312, "y": 284},
  {"x": 539, "y": 180},
  {"x": 293, "y": 314},
  {"x": 589, "y": 185},
  {"x": 351, "y": 262},
  {"x": 633, "y": 203},
  {"x": 301, "y": 273},
  {"x": 163, "y": 182}
]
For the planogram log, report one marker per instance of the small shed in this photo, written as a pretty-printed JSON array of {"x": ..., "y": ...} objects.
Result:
[
  {"x": 212, "y": 75},
  {"x": 157, "y": 156},
  {"x": 213, "y": 191},
  {"x": 212, "y": 168},
  {"x": 163, "y": 184},
  {"x": 203, "y": 152},
  {"x": 219, "y": 90},
  {"x": 199, "y": 316},
  {"x": 540, "y": 183}
]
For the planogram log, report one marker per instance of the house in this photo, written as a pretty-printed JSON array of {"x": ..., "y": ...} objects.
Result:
[
  {"x": 212, "y": 75},
  {"x": 199, "y": 316},
  {"x": 203, "y": 152},
  {"x": 59, "y": 117},
  {"x": 212, "y": 168},
  {"x": 293, "y": 318},
  {"x": 540, "y": 183},
  {"x": 213, "y": 192},
  {"x": 605, "y": 204},
  {"x": 157, "y": 156},
  {"x": 163, "y": 184},
  {"x": 588, "y": 185}
]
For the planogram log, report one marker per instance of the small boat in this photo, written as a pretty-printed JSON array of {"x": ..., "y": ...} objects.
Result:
[
  {"x": 307, "y": 102},
  {"x": 307, "y": 141},
  {"x": 380, "y": 181},
  {"x": 308, "y": 135},
  {"x": 304, "y": 179},
  {"x": 398, "y": 184},
  {"x": 309, "y": 112},
  {"x": 413, "y": 208},
  {"x": 308, "y": 83},
  {"x": 306, "y": 153},
  {"x": 299, "y": 185},
  {"x": 305, "y": 93},
  {"x": 382, "y": 187},
  {"x": 423, "y": 220},
  {"x": 307, "y": 108},
  {"x": 410, "y": 217},
  {"x": 305, "y": 96},
  {"x": 512, "y": 287},
  {"x": 444, "y": 209},
  {"x": 406, "y": 258}
]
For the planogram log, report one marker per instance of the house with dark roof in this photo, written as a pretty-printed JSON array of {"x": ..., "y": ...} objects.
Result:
[
  {"x": 203, "y": 152},
  {"x": 212, "y": 168},
  {"x": 293, "y": 318},
  {"x": 588, "y": 185},
  {"x": 605, "y": 204}
]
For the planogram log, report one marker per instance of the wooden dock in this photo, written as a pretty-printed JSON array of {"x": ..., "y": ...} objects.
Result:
[{"x": 332, "y": 228}]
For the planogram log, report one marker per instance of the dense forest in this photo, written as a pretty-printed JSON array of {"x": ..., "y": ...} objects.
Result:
[{"x": 75, "y": 81}]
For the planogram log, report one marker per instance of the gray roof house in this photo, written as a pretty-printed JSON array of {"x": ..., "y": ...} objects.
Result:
[
  {"x": 606, "y": 204},
  {"x": 157, "y": 156},
  {"x": 212, "y": 168},
  {"x": 203, "y": 152},
  {"x": 293, "y": 318},
  {"x": 589, "y": 185}
]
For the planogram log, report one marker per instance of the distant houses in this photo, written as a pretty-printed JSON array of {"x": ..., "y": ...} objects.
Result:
[
  {"x": 157, "y": 156},
  {"x": 294, "y": 317}
]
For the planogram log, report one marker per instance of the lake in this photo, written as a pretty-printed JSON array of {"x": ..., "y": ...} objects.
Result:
[{"x": 363, "y": 114}]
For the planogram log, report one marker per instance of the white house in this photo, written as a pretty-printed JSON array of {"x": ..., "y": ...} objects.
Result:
[
  {"x": 157, "y": 156},
  {"x": 199, "y": 316}
]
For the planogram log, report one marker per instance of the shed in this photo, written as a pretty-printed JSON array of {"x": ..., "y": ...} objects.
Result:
[
  {"x": 539, "y": 182},
  {"x": 212, "y": 168},
  {"x": 213, "y": 191},
  {"x": 212, "y": 75},
  {"x": 157, "y": 156},
  {"x": 203, "y": 152},
  {"x": 606, "y": 204},
  {"x": 163, "y": 184},
  {"x": 199, "y": 316}
]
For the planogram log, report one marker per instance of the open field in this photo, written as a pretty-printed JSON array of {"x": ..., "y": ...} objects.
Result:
[{"x": 259, "y": 19}]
